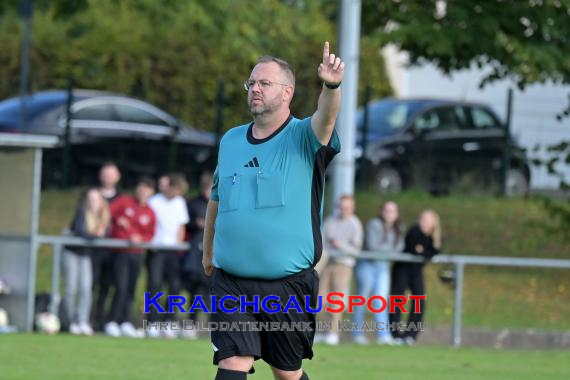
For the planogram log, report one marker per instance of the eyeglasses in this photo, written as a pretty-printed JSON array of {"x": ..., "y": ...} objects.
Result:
[{"x": 264, "y": 84}]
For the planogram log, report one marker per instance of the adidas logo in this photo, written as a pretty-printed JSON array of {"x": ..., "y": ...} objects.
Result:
[{"x": 253, "y": 163}]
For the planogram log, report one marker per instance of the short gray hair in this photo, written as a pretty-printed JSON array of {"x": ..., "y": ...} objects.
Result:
[{"x": 283, "y": 65}]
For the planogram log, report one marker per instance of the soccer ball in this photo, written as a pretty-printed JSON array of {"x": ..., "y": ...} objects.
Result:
[{"x": 47, "y": 323}]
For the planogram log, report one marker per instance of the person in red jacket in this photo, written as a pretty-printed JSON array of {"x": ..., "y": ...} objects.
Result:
[{"x": 131, "y": 219}]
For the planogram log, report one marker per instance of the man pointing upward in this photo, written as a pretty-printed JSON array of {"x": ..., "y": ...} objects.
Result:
[{"x": 262, "y": 235}]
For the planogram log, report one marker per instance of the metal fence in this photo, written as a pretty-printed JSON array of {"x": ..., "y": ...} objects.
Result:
[
  {"x": 59, "y": 242},
  {"x": 459, "y": 262}
]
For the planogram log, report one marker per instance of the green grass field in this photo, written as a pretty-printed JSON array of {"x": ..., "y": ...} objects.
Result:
[
  {"x": 64, "y": 357},
  {"x": 473, "y": 224}
]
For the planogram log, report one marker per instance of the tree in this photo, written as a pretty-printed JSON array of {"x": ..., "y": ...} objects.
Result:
[
  {"x": 525, "y": 41},
  {"x": 173, "y": 53}
]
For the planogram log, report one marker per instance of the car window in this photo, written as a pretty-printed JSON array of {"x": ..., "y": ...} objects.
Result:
[
  {"x": 482, "y": 119},
  {"x": 427, "y": 121},
  {"x": 387, "y": 117},
  {"x": 397, "y": 118},
  {"x": 441, "y": 119},
  {"x": 94, "y": 112},
  {"x": 133, "y": 114}
]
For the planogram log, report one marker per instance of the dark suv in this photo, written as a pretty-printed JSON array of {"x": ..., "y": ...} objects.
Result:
[{"x": 437, "y": 144}]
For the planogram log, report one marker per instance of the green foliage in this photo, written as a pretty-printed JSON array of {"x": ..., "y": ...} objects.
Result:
[
  {"x": 522, "y": 40},
  {"x": 525, "y": 41},
  {"x": 557, "y": 155},
  {"x": 174, "y": 53}
]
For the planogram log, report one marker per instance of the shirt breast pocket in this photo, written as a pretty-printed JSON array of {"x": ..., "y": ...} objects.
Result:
[
  {"x": 270, "y": 190},
  {"x": 230, "y": 189}
]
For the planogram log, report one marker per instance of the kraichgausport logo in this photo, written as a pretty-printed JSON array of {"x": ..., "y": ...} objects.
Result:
[{"x": 337, "y": 303}]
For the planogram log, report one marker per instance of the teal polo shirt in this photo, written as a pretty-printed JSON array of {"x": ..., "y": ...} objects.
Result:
[{"x": 270, "y": 194}]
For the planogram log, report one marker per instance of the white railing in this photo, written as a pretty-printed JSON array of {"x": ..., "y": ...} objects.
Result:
[{"x": 459, "y": 263}]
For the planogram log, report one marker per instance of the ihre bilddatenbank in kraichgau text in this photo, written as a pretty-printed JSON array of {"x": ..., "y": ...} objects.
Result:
[
  {"x": 337, "y": 303},
  {"x": 343, "y": 325}
]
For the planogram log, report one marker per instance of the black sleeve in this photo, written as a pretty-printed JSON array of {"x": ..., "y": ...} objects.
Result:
[
  {"x": 78, "y": 226},
  {"x": 429, "y": 250},
  {"x": 408, "y": 243},
  {"x": 191, "y": 227},
  {"x": 414, "y": 237},
  {"x": 411, "y": 240}
]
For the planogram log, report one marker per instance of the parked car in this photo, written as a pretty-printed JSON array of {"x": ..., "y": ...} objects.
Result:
[
  {"x": 437, "y": 144},
  {"x": 137, "y": 135}
]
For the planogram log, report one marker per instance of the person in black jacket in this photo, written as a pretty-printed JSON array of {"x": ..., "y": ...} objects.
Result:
[
  {"x": 91, "y": 221},
  {"x": 102, "y": 259},
  {"x": 423, "y": 239},
  {"x": 193, "y": 276}
]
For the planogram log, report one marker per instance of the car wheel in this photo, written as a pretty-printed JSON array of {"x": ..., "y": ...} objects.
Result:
[
  {"x": 517, "y": 183},
  {"x": 388, "y": 180}
]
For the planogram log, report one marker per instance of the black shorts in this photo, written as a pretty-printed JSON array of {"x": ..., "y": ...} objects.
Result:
[{"x": 281, "y": 349}]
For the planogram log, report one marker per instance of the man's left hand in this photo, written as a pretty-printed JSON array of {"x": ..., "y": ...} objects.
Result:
[{"x": 331, "y": 70}]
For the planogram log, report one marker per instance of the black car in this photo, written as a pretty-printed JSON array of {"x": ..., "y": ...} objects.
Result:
[
  {"x": 141, "y": 138},
  {"x": 436, "y": 145}
]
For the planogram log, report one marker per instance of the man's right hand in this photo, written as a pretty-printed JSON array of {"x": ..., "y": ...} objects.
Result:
[
  {"x": 136, "y": 238},
  {"x": 208, "y": 240},
  {"x": 207, "y": 264}
]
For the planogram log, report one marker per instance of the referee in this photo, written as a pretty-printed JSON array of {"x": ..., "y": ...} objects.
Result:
[{"x": 262, "y": 232}]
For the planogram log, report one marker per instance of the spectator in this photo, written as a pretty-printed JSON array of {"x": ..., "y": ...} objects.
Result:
[
  {"x": 131, "y": 219},
  {"x": 384, "y": 233},
  {"x": 197, "y": 208},
  {"x": 102, "y": 258},
  {"x": 109, "y": 177},
  {"x": 193, "y": 276},
  {"x": 342, "y": 233},
  {"x": 163, "y": 183},
  {"x": 423, "y": 239},
  {"x": 91, "y": 221},
  {"x": 164, "y": 265}
]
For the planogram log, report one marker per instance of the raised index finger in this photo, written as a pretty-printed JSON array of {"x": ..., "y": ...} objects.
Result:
[{"x": 326, "y": 52}]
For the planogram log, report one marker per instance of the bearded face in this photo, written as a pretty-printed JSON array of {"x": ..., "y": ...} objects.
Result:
[
  {"x": 266, "y": 90},
  {"x": 261, "y": 103}
]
